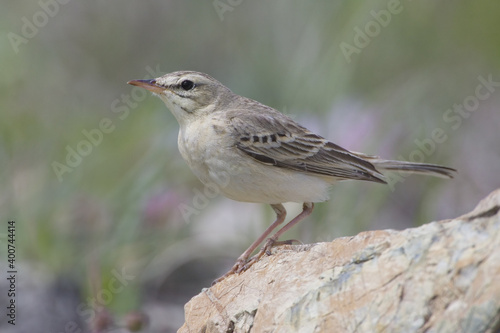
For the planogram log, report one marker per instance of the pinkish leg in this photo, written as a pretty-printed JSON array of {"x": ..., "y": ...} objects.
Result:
[
  {"x": 242, "y": 262},
  {"x": 307, "y": 209}
]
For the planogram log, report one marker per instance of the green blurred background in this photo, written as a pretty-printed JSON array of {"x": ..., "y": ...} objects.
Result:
[{"x": 103, "y": 237}]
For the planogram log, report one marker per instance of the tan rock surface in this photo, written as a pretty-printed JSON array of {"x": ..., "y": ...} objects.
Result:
[{"x": 441, "y": 277}]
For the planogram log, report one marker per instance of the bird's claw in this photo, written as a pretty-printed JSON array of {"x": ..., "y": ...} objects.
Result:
[{"x": 242, "y": 264}]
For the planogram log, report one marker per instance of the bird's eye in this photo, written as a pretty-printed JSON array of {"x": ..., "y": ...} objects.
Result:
[{"x": 187, "y": 85}]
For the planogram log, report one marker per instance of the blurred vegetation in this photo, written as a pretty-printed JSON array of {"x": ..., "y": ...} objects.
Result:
[{"x": 119, "y": 206}]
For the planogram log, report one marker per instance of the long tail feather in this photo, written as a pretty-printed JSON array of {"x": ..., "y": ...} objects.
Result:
[
  {"x": 409, "y": 167},
  {"x": 417, "y": 168}
]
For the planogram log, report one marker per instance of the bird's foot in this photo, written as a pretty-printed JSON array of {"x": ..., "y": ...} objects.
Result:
[
  {"x": 284, "y": 242},
  {"x": 238, "y": 267},
  {"x": 270, "y": 243},
  {"x": 243, "y": 263}
]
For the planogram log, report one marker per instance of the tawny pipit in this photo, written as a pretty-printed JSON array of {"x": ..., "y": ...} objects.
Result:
[{"x": 257, "y": 154}]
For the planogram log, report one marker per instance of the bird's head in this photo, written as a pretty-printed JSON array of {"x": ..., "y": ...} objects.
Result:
[{"x": 187, "y": 94}]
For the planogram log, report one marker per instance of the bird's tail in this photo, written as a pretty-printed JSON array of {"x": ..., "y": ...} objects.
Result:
[
  {"x": 410, "y": 167},
  {"x": 417, "y": 168}
]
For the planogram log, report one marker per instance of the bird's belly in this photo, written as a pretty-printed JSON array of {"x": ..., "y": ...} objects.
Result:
[{"x": 269, "y": 184}]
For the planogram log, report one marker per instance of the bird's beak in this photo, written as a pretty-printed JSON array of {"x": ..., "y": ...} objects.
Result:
[{"x": 147, "y": 84}]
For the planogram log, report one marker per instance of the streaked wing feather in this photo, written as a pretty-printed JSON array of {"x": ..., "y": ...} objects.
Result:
[{"x": 279, "y": 141}]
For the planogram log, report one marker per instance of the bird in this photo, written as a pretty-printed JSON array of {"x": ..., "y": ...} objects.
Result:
[{"x": 254, "y": 153}]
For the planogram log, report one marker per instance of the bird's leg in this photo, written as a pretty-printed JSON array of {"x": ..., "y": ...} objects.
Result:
[
  {"x": 307, "y": 209},
  {"x": 242, "y": 263}
]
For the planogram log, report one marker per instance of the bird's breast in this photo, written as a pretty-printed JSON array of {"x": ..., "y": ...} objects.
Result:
[{"x": 205, "y": 149}]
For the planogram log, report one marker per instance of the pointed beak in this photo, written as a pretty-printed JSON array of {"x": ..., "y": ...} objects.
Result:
[{"x": 147, "y": 84}]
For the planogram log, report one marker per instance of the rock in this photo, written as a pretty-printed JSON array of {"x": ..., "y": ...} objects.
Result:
[{"x": 441, "y": 277}]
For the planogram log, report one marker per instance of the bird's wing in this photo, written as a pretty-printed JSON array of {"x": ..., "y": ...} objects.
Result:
[{"x": 275, "y": 139}]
